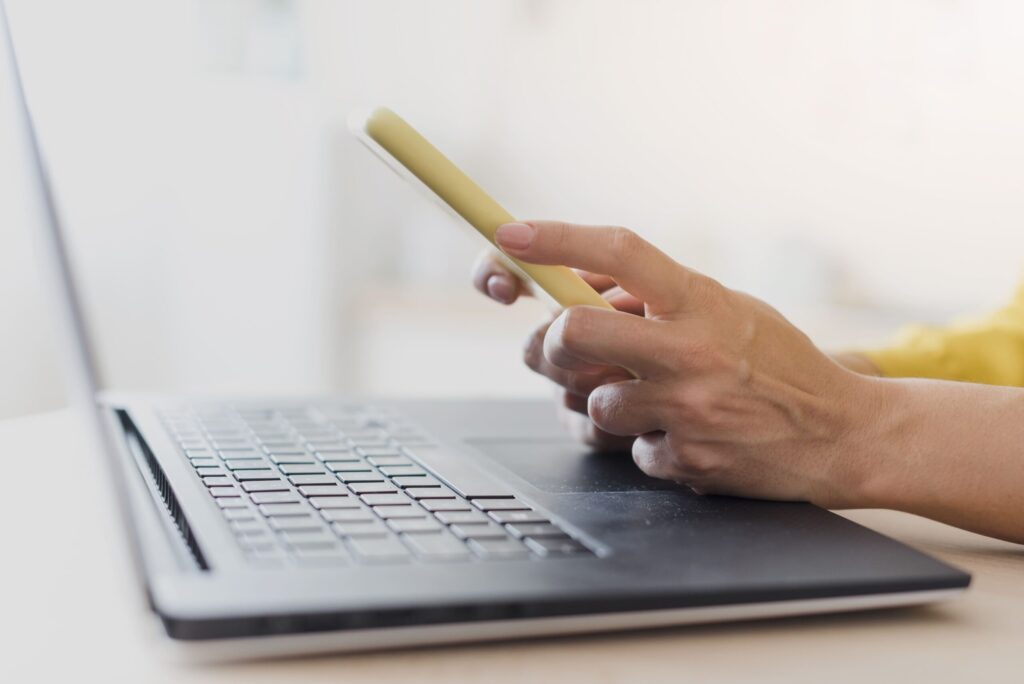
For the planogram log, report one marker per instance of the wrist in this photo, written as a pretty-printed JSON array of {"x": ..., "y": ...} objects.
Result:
[{"x": 871, "y": 420}]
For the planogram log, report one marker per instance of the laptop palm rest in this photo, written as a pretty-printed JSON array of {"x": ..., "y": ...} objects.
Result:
[{"x": 564, "y": 467}]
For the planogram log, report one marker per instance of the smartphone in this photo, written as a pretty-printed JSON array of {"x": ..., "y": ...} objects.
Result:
[{"x": 402, "y": 147}]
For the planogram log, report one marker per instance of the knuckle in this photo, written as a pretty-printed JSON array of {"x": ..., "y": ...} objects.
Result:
[
  {"x": 625, "y": 242},
  {"x": 695, "y": 463},
  {"x": 706, "y": 292},
  {"x": 700, "y": 351},
  {"x": 701, "y": 407},
  {"x": 692, "y": 399}
]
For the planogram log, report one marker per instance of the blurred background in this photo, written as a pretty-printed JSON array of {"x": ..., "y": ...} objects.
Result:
[{"x": 856, "y": 163}]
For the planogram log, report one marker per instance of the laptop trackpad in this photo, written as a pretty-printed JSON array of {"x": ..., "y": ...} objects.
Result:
[{"x": 564, "y": 467}]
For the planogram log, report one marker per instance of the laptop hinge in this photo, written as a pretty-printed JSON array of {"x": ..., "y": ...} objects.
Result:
[{"x": 160, "y": 488}]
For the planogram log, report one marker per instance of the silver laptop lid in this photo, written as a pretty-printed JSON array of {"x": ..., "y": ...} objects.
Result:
[
  {"x": 76, "y": 344},
  {"x": 75, "y": 341}
]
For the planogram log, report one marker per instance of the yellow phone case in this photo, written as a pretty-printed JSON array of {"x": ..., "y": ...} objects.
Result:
[{"x": 418, "y": 156}]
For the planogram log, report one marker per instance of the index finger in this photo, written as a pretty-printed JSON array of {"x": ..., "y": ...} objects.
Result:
[{"x": 638, "y": 266}]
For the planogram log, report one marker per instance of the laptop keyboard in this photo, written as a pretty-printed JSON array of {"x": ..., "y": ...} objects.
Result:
[{"x": 342, "y": 485}]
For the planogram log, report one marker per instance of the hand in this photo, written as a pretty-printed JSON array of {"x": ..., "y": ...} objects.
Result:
[
  {"x": 729, "y": 397},
  {"x": 493, "y": 279}
]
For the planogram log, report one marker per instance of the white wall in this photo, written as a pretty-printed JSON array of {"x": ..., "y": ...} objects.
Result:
[
  {"x": 233, "y": 237},
  {"x": 885, "y": 133},
  {"x": 191, "y": 190}
]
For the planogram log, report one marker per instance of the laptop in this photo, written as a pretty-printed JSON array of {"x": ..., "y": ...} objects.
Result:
[{"x": 263, "y": 528}]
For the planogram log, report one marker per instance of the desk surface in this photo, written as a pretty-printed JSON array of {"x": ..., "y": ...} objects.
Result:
[{"x": 70, "y": 609}]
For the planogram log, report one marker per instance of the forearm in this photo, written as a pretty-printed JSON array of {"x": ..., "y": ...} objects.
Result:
[{"x": 953, "y": 452}]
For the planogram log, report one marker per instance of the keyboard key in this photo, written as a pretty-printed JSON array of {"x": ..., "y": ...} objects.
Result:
[
  {"x": 313, "y": 480},
  {"x": 465, "y": 477},
  {"x": 414, "y": 525},
  {"x": 391, "y": 460},
  {"x": 415, "y": 481},
  {"x": 245, "y": 463},
  {"x": 392, "y": 511},
  {"x": 199, "y": 453},
  {"x": 445, "y": 505},
  {"x": 329, "y": 457},
  {"x": 555, "y": 546},
  {"x": 267, "y": 543},
  {"x": 206, "y": 470},
  {"x": 392, "y": 471},
  {"x": 381, "y": 455},
  {"x": 284, "y": 509},
  {"x": 266, "y": 486},
  {"x": 292, "y": 458},
  {"x": 534, "y": 530},
  {"x": 504, "y": 504},
  {"x": 219, "y": 492},
  {"x": 301, "y": 469},
  {"x": 378, "y": 549},
  {"x": 319, "y": 446},
  {"x": 347, "y": 515},
  {"x": 498, "y": 548},
  {"x": 250, "y": 528},
  {"x": 360, "y": 528},
  {"x": 295, "y": 523},
  {"x": 323, "y": 490},
  {"x": 230, "y": 448},
  {"x": 283, "y": 448},
  {"x": 337, "y": 454},
  {"x": 327, "y": 502},
  {"x": 274, "y": 497},
  {"x": 370, "y": 442},
  {"x": 430, "y": 493},
  {"x": 334, "y": 554},
  {"x": 240, "y": 514},
  {"x": 349, "y": 478},
  {"x": 518, "y": 517},
  {"x": 321, "y": 536},
  {"x": 270, "y": 557},
  {"x": 256, "y": 475},
  {"x": 372, "y": 488},
  {"x": 356, "y": 466},
  {"x": 232, "y": 502},
  {"x": 384, "y": 499},
  {"x": 478, "y": 531},
  {"x": 217, "y": 481},
  {"x": 436, "y": 546},
  {"x": 462, "y": 517}
]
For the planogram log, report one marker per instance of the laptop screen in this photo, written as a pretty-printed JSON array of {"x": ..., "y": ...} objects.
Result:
[{"x": 75, "y": 339}]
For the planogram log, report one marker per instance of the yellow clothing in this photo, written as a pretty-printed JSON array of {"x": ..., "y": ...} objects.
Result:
[{"x": 989, "y": 350}]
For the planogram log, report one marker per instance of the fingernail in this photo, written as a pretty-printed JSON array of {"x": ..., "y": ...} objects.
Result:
[
  {"x": 501, "y": 288},
  {"x": 515, "y": 235}
]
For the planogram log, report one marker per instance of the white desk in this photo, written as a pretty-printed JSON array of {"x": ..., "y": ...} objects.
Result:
[{"x": 69, "y": 610}]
